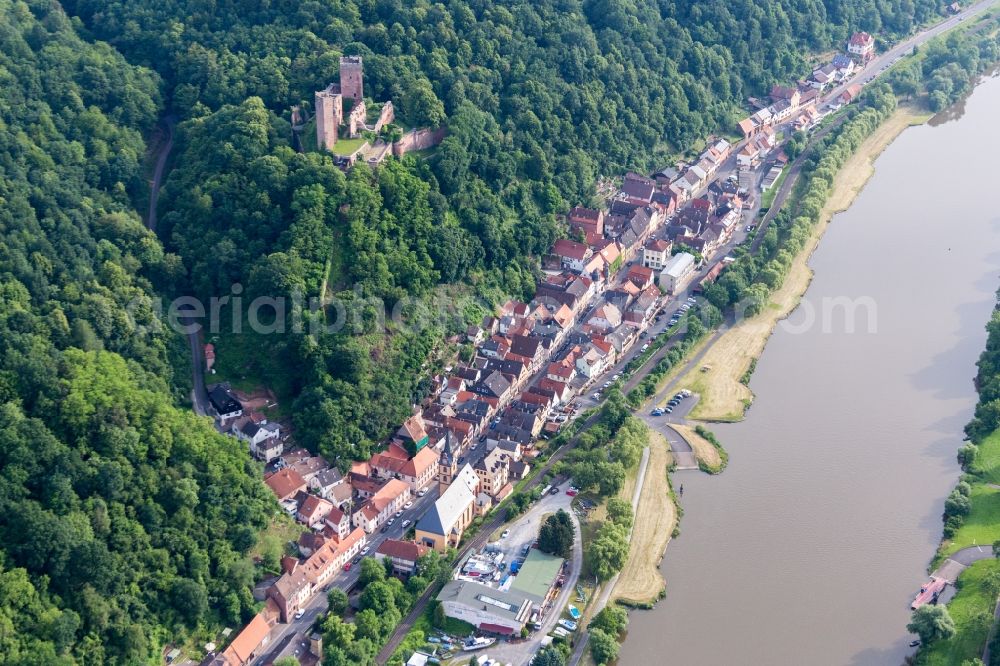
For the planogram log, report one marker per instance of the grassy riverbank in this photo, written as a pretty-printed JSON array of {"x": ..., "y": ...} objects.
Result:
[
  {"x": 972, "y": 612},
  {"x": 640, "y": 581},
  {"x": 710, "y": 457},
  {"x": 723, "y": 396}
]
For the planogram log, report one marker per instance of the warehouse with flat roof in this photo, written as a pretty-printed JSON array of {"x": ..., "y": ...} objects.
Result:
[{"x": 537, "y": 575}]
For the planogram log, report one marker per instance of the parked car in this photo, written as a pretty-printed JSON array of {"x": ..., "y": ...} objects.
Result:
[
  {"x": 505, "y": 534},
  {"x": 406, "y": 523},
  {"x": 657, "y": 412},
  {"x": 668, "y": 410},
  {"x": 421, "y": 492},
  {"x": 347, "y": 567},
  {"x": 408, "y": 505},
  {"x": 571, "y": 492},
  {"x": 299, "y": 613},
  {"x": 364, "y": 551},
  {"x": 645, "y": 347}
]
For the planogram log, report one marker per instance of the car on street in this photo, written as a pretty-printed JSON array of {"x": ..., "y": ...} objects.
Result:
[
  {"x": 391, "y": 520},
  {"x": 406, "y": 523},
  {"x": 299, "y": 613},
  {"x": 596, "y": 396},
  {"x": 364, "y": 551}
]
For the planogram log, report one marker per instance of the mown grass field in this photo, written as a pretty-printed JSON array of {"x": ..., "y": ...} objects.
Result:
[{"x": 640, "y": 580}]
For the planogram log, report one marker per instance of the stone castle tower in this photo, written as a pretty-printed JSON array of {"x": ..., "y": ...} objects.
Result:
[
  {"x": 447, "y": 465},
  {"x": 329, "y": 116},
  {"x": 351, "y": 74}
]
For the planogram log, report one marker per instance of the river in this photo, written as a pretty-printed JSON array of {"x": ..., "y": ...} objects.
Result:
[{"x": 810, "y": 546}]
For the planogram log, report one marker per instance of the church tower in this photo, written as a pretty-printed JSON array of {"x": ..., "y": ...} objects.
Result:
[{"x": 447, "y": 465}]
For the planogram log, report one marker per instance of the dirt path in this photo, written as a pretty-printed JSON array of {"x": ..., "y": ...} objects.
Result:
[{"x": 723, "y": 396}]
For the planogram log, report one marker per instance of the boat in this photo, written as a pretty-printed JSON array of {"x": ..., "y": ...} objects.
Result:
[
  {"x": 560, "y": 632},
  {"x": 477, "y": 643},
  {"x": 569, "y": 625},
  {"x": 574, "y": 612}
]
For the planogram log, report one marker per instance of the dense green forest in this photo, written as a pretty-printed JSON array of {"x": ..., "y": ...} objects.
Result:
[
  {"x": 540, "y": 98},
  {"x": 124, "y": 521}
]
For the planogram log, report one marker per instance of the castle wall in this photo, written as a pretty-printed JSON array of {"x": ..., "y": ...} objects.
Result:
[
  {"x": 418, "y": 139},
  {"x": 387, "y": 115}
]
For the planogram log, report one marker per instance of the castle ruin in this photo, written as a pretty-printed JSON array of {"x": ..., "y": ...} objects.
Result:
[{"x": 351, "y": 74}]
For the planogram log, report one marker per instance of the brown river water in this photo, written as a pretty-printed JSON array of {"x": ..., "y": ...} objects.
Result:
[{"x": 809, "y": 548}]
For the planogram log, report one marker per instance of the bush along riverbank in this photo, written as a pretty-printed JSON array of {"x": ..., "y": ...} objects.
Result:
[
  {"x": 710, "y": 437},
  {"x": 971, "y": 516}
]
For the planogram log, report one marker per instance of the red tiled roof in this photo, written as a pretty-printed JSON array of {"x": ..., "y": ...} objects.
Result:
[
  {"x": 248, "y": 640},
  {"x": 403, "y": 550},
  {"x": 285, "y": 482},
  {"x": 570, "y": 249}
]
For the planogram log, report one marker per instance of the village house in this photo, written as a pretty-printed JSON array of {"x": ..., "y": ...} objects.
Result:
[
  {"x": 285, "y": 483},
  {"x": 248, "y": 644},
  {"x": 263, "y": 438},
  {"x": 337, "y": 524},
  {"x": 381, "y": 506},
  {"x": 595, "y": 359},
  {"x": 605, "y": 318},
  {"x": 572, "y": 255},
  {"x": 224, "y": 402},
  {"x": 492, "y": 471},
  {"x": 861, "y": 47},
  {"x": 638, "y": 189},
  {"x": 412, "y": 435},
  {"x": 301, "y": 579},
  {"x": 586, "y": 220},
  {"x": 640, "y": 276},
  {"x": 304, "y": 463},
  {"x": 403, "y": 555},
  {"x": 313, "y": 511},
  {"x": 395, "y": 463}
]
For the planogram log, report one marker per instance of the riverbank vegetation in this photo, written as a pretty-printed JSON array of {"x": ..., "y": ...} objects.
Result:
[
  {"x": 765, "y": 287},
  {"x": 972, "y": 516},
  {"x": 712, "y": 457}
]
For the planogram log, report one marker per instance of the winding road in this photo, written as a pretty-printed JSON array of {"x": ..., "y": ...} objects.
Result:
[{"x": 199, "y": 396}]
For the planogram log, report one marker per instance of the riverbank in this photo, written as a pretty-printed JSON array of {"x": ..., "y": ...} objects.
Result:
[
  {"x": 724, "y": 397},
  {"x": 640, "y": 582},
  {"x": 711, "y": 457}
]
